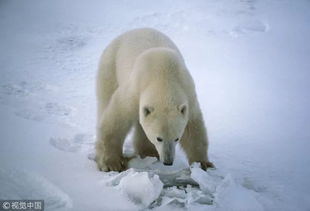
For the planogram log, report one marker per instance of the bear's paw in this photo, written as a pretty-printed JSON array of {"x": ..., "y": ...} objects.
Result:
[
  {"x": 112, "y": 163},
  {"x": 206, "y": 164}
]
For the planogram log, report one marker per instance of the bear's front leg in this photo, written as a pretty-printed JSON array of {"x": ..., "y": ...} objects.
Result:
[
  {"x": 109, "y": 155},
  {"x": 112, "y": 129},
  {"x": 195, "y": 143}
]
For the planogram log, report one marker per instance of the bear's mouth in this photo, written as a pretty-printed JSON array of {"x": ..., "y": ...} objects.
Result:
[{"x": 168, "y": 163}]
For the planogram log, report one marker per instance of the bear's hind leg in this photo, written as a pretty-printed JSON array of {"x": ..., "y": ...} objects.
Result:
[{"x": 143, "y": 147}]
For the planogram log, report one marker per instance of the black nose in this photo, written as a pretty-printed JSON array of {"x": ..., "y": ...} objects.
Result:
[
  {"x": 159, "y": 139},
  {"x": 168, "y": 163}
]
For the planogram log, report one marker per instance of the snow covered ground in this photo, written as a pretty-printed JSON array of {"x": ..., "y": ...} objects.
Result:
[{"x": 250, "y": 62}]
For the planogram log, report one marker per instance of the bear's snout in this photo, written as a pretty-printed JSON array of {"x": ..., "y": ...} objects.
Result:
[{"x": 167, "y": 156}]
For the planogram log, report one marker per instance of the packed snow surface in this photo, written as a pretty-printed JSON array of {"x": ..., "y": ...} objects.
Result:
[{"x": 250, "y": 63}]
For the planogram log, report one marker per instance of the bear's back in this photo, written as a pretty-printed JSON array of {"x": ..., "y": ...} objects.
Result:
[{"x": 132, "y": 44}]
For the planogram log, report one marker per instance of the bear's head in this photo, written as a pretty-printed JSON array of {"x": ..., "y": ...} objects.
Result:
[{"x": 163, "y": 117}]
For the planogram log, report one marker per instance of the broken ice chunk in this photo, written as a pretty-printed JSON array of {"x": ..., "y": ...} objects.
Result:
[
  {"x": 114, "y": 178},
  {"x": 141, "y": 188},
  {"x": 207, "y": 183},
  {"x": 177, "y": 178}
]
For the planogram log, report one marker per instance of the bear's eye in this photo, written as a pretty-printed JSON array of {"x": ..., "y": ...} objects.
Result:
[
  {"x": 159, "y": 139},
  {"x": 176, "y": 140},
  {"x": 147, "y": 111},
  {"x": 182, "y": 109}
]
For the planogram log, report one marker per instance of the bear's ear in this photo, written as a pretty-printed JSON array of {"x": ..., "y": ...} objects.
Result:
[
  {"x": 147, "y": 110},
  {"x": 182, "y": 108}
]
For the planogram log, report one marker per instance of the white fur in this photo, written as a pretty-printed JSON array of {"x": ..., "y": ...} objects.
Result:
[{"x": 143, "y": 83}]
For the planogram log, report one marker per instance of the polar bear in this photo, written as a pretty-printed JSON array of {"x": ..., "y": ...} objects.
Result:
[{"x": 143, "y": 83}]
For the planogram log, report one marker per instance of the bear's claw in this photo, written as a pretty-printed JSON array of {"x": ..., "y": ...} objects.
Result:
[
  {"x": 206, "y": 164},
  {"x": 115, "y": 164}
]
